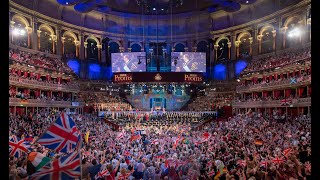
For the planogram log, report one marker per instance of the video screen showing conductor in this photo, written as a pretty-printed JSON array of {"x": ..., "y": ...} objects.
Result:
[
  {"x": 128, "y": 62},
  {"x": 188, "y": 62}
]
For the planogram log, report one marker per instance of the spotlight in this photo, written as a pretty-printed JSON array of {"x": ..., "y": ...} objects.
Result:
[
  {"x": 67, "y": 3},
  {"x": 162, "y": 9},
  {"x": 154, "y": 9},
  {"x": 247, "y": 2},
  {"x": 238, "y": 80},
  {"x": 294, "y": 33}
]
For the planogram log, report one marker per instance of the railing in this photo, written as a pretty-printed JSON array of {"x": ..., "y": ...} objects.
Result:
[
  {"x": 272, "y": 103},
  {"x": 32, "y": 51},
  {"x": 42, "y": 85},
  {"x": 273, "y": 85},
  {"x": 41, "y": 103}
]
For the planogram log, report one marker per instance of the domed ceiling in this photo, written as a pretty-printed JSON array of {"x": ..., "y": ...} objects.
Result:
[{"x": 155, "y": 6}]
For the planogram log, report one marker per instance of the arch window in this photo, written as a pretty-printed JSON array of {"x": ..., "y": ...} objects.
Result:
[
  {"x": 45, "y": 41},
  {"x": 20, "y": 34},
  {"x": 267, "y": 41},
  {"x": 244, "y": 47},
  {"x": 92, "y": 49},
  {"x": 69, "y": 46},
  {"x": 222, "y": 50},
  {"x": 179, "y": 48},
  {"x": 135, "y": 48},
  {"x": 202, "y": 46}
]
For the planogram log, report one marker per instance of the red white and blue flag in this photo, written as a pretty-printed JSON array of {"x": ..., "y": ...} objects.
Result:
[
  {"x": 101, "y": 174},
  {"x": 277, "y": 160},
  {"x": 264, "y": 164},
  {"x": 17, "y": 147},
  {"x": 65, "y": 167},
  {"x": 62, "y": 135},
  {"x": 242, "y": 163}
]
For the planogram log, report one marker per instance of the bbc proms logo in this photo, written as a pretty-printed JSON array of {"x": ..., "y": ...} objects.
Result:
[{"x": 122, "y": 77}]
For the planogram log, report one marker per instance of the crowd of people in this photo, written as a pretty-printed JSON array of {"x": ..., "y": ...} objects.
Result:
[
  {"x": 40, "y": 61},
  {"x": 242, "y": 147},
  {"x": 209, "y": 101},
  {"x": 280, "y": 60}
]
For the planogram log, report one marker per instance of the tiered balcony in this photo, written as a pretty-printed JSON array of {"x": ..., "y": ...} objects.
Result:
[
  {"x": 15, "y": 81},
  {"x": 281, "y": 84},
  {"x": 302, "y": 102},
  {"x": 42, "y": 103}
]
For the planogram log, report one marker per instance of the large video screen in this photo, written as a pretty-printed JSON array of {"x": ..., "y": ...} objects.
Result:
[
  {"x": 128, "y": 62},
  {"x": 188, "y": 62}
]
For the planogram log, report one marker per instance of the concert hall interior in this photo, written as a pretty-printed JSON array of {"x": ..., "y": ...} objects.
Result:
[{"x": 159, "y": 89}]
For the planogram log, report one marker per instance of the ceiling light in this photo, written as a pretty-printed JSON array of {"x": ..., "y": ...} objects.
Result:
[
  {"x": 67, "y": 3},
  {"x": 162, "y": 9},
  {"x": 247, "y": 2},
  {"x": 154, "y": 9}
]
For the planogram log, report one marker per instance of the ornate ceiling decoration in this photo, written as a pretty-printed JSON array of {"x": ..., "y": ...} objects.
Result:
[{"x": 155, "y": 6}]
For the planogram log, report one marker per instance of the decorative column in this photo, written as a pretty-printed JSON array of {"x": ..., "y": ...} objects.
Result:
[
  {"x": 309, "y": 27},
  {"x": 237, "y": 44},
  {"x": 99, "y": 52},
  {"x": 233, "y": 54},
  {"x": 38, "y": 39},
  {"x": 29, "y": 31},
  {"x": 229, "y": 50},
  {"x": 54, "y": 40},
  {"x": 10, "y": 31},
  {"x": 82, "y": 48},
  {"x": 77, "y": 43},
  {"x": 62, "y": 45},
  {"x": 274, "y": 33},
  {"x": 250, "y": 41},
  {"x": 259, "y": 38},
  {"x": 59, "y": 41},
  {"x": 216, "y": 52},
  {"x": 284, "y": 31},
  {"x": 85, "y": 44}
]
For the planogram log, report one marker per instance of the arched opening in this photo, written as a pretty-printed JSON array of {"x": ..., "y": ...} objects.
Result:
[
  {"x": 69, "y": 46},
  {"x": 222, "y": 50},
  {"x": 135, "y": 48},
  {"x": 113, "y": 47},
  {"x": 267, "y": 41},
  {"x": 244, "y": 47},
  {"x": 92, "y": 50},
  {"x": 45, "y": 41},
  {"x": 202, "y": 46},
  {"x": 179, "y": 48},
  {"x": 294, "y": 33},
  {"x": 20, "y": 34}
]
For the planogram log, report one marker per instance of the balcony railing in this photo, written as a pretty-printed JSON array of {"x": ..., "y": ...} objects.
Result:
[
  {"x": 41, "y": 103},
  {"x": 273, "y": 85},
  {"x": 42, "y": 85},
  {"x": 301, "y": 102}
]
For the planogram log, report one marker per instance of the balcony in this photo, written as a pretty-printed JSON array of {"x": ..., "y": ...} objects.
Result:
[
  {"x": 42, "y": 103},
  {"x": 34, "y": 84},
  {"x": 273, "y": 85},
  {"x": 302, "y": 102}
]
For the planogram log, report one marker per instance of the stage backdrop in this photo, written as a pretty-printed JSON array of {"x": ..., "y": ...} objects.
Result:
[
  {"x": 129, "y": 62},
  {"x": 188, "y": 62},
  {"x": 158, "y": 77}
]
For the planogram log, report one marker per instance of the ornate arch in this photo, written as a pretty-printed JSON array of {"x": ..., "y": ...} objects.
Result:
[
  {"x": 221, "y": 38},
  {"x": 184, "y": 44},
  {"x": 47, "y": 27},
  {"x": 243, "y": 33},
  {"x": 289, "y": 20},
  {"x": 70, "y": 33},
  {"x": 115, "y": 41},
  {"x": 94, "y": 38},
  {"x": 131, "y": 44},
  {"x": 264, "y": 28},
  {"x": 22, "y": 19},
  {"x": 198, "y": 41}
]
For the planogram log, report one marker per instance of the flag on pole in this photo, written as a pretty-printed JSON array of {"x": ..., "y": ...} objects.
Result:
[
  {"x": 65, "y": 167},
  {"x": 61, "y": 136},
  {"x": 102, "y": 174}
]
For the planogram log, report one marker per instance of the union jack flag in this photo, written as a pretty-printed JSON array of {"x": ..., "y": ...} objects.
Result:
[
  {"x": 62, "y": 135},
  {"x": 156, "y": 141},
  {"x": 307, "y": 166},
  {"x": 287, "y": 152},
  {"x": 17, "y": 147},
  {"x": 264, "y": 164},
  {"x": 277, "y": 160},
  {"x": 102, "y": 174},
  {"x": 65, "y": 167},
  {"x": 242, "y": 163},
  {"x": 211, "y": 173},
  {"x": 285, "y": 101}
]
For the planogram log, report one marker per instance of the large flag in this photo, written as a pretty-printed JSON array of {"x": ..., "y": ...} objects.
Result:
[
  {"x": 17, "y": 147},
  {"x": 135, "y": 137},
  {"x": 287, "y": 152},
  {"x": 62, "y": 135},
  {"x": 38, "y": 160},
  {"x": 65, "y": 167},
  {"x": 277, "y": 160}
]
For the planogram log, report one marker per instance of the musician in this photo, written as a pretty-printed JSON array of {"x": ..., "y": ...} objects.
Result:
[{"x": 128, "y": 65}]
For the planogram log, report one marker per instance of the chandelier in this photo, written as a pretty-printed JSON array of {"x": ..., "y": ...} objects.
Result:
[{"x": 158, "y": 6}]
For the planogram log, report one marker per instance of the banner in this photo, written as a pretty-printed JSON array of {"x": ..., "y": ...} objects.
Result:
[{"x": 158, "y": 77}]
